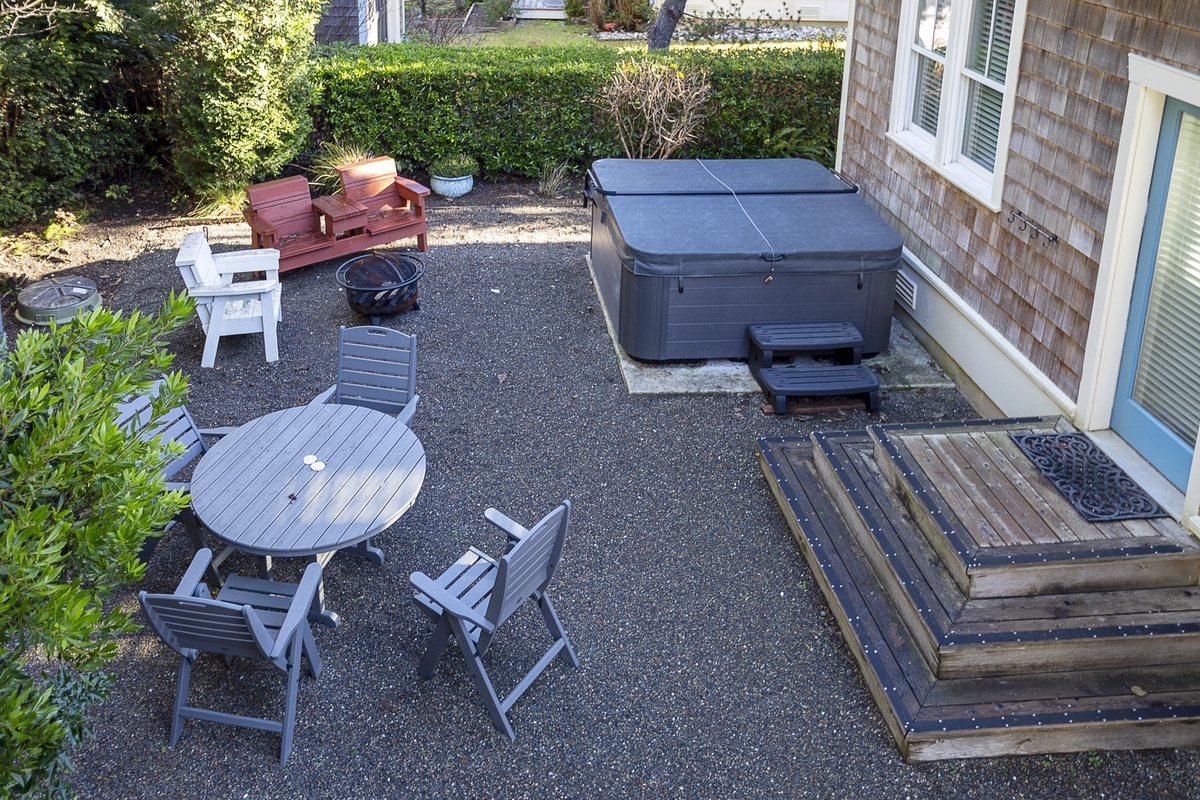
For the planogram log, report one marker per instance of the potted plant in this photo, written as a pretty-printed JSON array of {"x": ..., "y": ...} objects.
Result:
[{"x": 452, "y": 175}]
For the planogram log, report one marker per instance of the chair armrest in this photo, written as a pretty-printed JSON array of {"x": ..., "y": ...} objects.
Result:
[
  {"x": 259, "y": 226},
  {"x": 406, "y": 414},
  {"x": 323, "y": 397},
  {"x": 264, "y": 259},
  {"x": 515, "y": 530},
  {"x": 298, "y": 611},
  {"x": 234, "y": 289},
  {"x": 411, "y": 190},
  {"x": 191, "y": 579},
  {"x": 449, "y": 603}
]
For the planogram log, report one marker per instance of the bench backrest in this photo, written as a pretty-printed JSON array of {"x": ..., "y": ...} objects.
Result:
[
  {"x": 286, "y": 203},
  {"x": 372, "y": 183}
]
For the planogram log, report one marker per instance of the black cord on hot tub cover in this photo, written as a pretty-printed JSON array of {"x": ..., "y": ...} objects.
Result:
[{"x": 774, "y": 256}]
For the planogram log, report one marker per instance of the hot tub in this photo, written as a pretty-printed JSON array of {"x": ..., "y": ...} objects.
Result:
[{"x": 688, "y": 253}]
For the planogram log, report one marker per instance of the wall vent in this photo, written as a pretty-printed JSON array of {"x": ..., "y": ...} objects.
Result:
[
  {"x": 906, "y": 290},
  {"x": 808, "y": 12}
]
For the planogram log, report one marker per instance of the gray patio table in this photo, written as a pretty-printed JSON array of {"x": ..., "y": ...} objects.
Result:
[{"x": 307, "y": 482}]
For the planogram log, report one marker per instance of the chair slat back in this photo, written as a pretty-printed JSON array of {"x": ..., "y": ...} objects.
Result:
[
  {"x": 286, "y": 203},
  {"x": 134, "y": 413},
  {"x": 193, "y": 624},
  {"x": 195, "y": 256},
  {"x": 175, "y": 425},
  {"x": 377, "y": 368},
  {"x": 529, "y": 566},
  {"x": 372, "y": 183}
]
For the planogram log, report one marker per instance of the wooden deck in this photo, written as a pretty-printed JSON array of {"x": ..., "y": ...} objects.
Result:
[{"x": 988, "y": 617}]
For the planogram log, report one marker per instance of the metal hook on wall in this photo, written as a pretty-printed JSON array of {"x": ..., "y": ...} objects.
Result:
[{"x": 1035, "y": 230}]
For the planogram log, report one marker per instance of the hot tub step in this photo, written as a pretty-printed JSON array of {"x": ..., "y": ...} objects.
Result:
[
  {"x": 783, "y": 382},
  {"x": 767, "y": 342}
]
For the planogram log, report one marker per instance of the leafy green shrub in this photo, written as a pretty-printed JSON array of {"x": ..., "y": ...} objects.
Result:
[
  {"x": 454, "y": 165},
  {"x": 758, "y": 92},
  {"x": 519, "y": 108},
  {"x": 325, "y": 177},
  {"x": 78, "y": 496},
  {"x": 513, "y": 107},
  {"x": 622, "y": 15},
  {"x": 64, "y": 122},
  {"x": 496, "y": 10},
  {"x": 575, "y": 9},
  {"x": 235, "y": 89}
]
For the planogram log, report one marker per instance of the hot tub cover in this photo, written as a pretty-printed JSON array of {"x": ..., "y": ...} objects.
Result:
[
  {"x": 751, "y": 234},
  {"x": 636, "y": 176}
]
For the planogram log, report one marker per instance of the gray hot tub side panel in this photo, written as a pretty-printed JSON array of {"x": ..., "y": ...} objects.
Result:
[
  {"x": 836, "y": 260},
  {"x": 624, "y": 176},
  {"x": 708, "y": 319}
]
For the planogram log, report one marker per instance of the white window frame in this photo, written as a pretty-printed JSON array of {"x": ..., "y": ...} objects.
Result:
[{"x": 942, "y": 152}]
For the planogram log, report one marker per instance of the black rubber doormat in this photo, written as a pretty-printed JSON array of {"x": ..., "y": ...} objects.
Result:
[{"x": 1099, "y": 489}]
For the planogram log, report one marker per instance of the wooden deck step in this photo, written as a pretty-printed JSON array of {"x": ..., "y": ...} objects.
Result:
[
  {"x": 1099, "y": 696},
  {"x": 964, "y": 636},
  {"x": 1002, "y": 529}
]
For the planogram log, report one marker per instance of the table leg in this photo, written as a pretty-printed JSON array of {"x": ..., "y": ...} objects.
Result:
[
  {"x": 365, "y": 549},
  {"x": 318, "y": 612}
]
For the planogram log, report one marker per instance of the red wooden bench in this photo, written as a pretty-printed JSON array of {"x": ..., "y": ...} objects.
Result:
[
  {"x": 395, "y": 205},
  {"x": 377, "y": 207}
]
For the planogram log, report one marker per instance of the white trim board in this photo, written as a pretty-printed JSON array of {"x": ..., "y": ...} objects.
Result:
[{"x": 1004, "y": 374}]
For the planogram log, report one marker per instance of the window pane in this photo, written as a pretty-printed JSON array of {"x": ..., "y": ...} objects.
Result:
[
  {"x": 933, "y": 18},
  {"x": 927, "y": 95},
  {"x": 991, "y": 38},
  {"x": 982, "y": 124}
]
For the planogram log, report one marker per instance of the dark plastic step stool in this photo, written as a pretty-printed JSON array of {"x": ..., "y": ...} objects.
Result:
[
  {"x": 786, "y": 381},
  {"x": 767, "y": 342}
]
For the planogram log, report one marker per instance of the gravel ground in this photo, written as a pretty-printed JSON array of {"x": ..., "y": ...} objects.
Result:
[{"x": 711, "y": 665}]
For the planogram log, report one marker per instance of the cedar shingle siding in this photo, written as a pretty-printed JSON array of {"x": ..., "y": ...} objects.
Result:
[
  {"x": 1066, "y": 125},
  {"x": 340, "y": 23}
]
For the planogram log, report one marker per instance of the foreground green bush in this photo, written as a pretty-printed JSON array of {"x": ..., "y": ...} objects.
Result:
[
  {"x": 78, "y": 497},
  {"x": 518, "y": 109}
]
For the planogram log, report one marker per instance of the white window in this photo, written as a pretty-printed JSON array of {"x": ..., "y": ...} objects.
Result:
[{"x": 955, "y": 74}]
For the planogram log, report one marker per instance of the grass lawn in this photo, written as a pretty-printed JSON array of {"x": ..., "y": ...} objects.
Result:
[{"x": 542, "y": 32}]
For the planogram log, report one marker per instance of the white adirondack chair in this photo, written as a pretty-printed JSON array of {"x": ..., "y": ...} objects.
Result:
[{"x": 226, "y": 307}]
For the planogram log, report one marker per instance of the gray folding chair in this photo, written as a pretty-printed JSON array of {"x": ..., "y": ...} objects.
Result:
[
  {"x": 265, "y": 620},
  {"x": 377, "y": 368},
  {"x": 472, "y": 599},
  {"x": 176, "y": 425}
]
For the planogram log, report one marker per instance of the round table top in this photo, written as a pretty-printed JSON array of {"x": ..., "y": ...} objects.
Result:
[{"x": 263, "y": 488}]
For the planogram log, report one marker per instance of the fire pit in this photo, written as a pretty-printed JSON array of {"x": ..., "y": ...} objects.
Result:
[{"x": 379, "y": 284}]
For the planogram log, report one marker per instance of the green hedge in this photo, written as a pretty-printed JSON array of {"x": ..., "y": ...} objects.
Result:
[
  {"x": 516, "y": 109},
  {"x": 61, "y": 127}
]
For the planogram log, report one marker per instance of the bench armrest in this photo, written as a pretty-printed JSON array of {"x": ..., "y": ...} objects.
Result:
[
  {"x": 261, "y": 227},
  {"x": 411, "y": 191}
]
